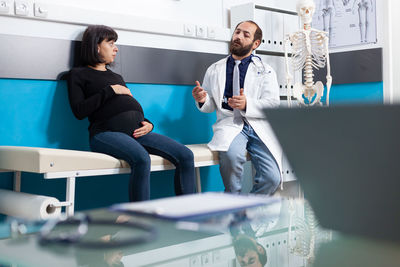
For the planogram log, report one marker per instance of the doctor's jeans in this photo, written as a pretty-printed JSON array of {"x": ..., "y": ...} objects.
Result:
[
  {"x": 267, "y": 177},
  {"x": 136, "y": 153}
]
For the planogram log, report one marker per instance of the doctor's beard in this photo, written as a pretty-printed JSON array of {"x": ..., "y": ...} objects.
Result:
[{"x": 241, "y": 50}]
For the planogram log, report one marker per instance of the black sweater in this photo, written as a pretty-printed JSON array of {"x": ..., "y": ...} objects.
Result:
[{"x": 90, "y": 95}]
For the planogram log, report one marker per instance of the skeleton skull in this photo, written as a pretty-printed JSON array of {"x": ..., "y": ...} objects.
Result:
[{"x": 305, "y": 9}]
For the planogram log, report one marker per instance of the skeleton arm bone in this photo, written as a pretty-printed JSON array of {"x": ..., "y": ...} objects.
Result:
[
  {"x": 328, "y": 71},
  {"x": 289, "y": 77}
]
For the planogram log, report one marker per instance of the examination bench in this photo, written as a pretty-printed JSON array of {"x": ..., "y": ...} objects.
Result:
[{"x": 70, "y": 164}]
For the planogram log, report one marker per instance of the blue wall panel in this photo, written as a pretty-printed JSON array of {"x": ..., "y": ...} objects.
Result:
[
  {"x": 356, "y": 93},
  {"x": 37, "y": 113}
]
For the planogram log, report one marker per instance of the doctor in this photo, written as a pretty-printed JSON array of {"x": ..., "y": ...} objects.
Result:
[{"x": 239, "y": 87}]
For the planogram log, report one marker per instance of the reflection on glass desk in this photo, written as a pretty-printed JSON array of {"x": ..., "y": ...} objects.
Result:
[{"x": 283, "y": 233}]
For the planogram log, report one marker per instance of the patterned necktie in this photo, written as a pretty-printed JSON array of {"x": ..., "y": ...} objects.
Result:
[
  {"x": 236, "y": 79},
  {"x": 236, "y": 91}
]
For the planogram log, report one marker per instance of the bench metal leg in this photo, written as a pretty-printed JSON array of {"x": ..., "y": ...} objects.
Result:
[
  {"x": 198, "y": 180},
  {"x": 17, "y": 181},
  {"x": 70, "y": 196}
]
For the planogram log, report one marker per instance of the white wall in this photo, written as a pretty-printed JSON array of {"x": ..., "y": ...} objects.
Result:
[
  {"x": 151, "y": 23},
  {"x": 202, "y": 12}
]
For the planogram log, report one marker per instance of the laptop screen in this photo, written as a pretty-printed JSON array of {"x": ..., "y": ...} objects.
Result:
[{"x": 347, "y": 161}]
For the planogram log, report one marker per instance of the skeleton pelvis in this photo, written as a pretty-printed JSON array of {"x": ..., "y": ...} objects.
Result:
[{"x": 313, "y": 94}]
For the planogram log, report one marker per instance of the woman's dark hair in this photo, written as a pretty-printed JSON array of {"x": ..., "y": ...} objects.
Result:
[{"x": 93, "y": 36}]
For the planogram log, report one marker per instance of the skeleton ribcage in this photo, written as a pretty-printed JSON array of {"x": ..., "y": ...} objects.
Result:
[{"x": 300, "y": 51}]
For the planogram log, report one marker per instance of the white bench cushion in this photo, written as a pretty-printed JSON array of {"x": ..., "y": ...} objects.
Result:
[{"x": 45, "y": 160}]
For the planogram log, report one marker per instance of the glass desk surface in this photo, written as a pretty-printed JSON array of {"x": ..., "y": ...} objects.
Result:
[{"x": 282, "y": 233}]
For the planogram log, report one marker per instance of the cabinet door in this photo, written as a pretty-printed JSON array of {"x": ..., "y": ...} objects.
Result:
[
  {"x": 241, "y": 13},
  {"x": 290, "y": 25},
  {"x": 277, "y": 31},
  {"x": 278, "y": 64},
  {"x": 263, "y": 19}
]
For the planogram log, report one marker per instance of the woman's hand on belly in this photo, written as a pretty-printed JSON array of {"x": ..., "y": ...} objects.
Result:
[
  {"x": 145, "y": 129},
  {"x": 121, "y": 90}
]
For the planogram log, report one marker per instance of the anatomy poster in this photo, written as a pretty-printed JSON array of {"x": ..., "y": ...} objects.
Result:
[{"x": 349, "y": 22}]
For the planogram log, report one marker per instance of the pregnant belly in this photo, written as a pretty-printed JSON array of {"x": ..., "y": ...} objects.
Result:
[{"x": 125, "y": 122}]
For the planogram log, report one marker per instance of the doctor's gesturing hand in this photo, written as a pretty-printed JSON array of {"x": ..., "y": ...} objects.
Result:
[
  {"x": 199, "y": 94},
  {"x": 238, "y": 101}
]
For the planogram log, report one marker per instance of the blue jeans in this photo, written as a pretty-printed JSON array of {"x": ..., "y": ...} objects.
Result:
[
  {"x": 267, "y": 177},
  {"x": 136, "y": 153}
]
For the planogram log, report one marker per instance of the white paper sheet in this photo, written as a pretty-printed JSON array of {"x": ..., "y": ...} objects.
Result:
[{"x": 183, "y": 207}]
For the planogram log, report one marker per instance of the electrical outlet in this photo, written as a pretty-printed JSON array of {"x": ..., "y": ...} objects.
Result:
[
  {"x": 195, "y": 261},
  {"x": 206, "y": 259},
  {"x": 40, "y": 10},
  {"x": 211, "y": 32},
  {"x": 189, "y": 29},
  {"x": 4, "y": 6},
  {"x": 201, "y": 31},
  {"x": 216, "y": 255},
  {"x": 21, "y": 8}
]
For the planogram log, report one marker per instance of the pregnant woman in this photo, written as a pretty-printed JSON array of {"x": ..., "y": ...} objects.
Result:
[{"x": 117, "y": 124}]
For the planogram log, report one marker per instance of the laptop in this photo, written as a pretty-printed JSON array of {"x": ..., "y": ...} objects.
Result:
[{"x": 347, "y": 161}]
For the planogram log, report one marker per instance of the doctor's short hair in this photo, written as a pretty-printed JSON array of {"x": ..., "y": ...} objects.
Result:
[
  {"x": 93, "y": 36},
  {"x": 258, "y": 34},
  {"x": 243, "y": 244}
]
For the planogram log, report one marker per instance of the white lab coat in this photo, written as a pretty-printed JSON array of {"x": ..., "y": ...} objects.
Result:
[{"x": 261, "y": 91}]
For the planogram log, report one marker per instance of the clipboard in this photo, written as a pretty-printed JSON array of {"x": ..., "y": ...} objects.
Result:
[{"x": 193, "y": 206}]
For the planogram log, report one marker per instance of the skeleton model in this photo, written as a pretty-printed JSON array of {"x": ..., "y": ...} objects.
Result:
[
  {"x": 309, "y": 50},
  {"x": 308, "y": 233},
  {"x": 363, "y": 7}
]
